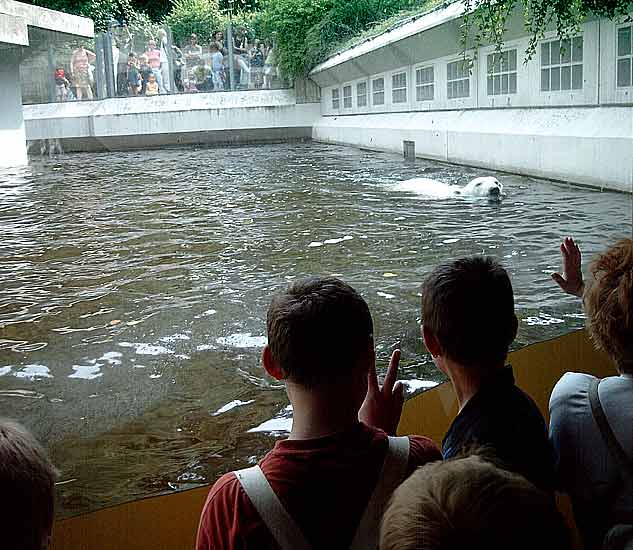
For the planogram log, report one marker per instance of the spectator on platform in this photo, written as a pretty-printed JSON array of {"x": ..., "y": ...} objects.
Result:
[
  {"x": 27, "y": 489},
  {"x": 62, "y": 85},
  {"x": 591, "y": 420},
  {"x": 164, "y": 61},
  {"x": 80, "y": 71},
  {"x": 133, "y": 75},
  {"x": 217, "y": 67},
  {"x": 328, "y": 483},
  {"x": 152, "y": 87},
  {"x": 193, "y": 52},
  {"x": 240, "y": 53},
  {"x": 256, "y": 60},
  {"x": 468, "y": 324},
  {"x": 270, "y": 68},
  {"x": 470, "y": 503},
  {"x": 154, "y": 60},
  {"x": 145, "y": 71}
]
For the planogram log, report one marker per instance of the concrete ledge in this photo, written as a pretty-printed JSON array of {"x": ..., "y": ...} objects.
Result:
[
  {"x": 13, "y": 30},
  {"x": 590, "y": 146},
  {"x": 49, "y": 20}
]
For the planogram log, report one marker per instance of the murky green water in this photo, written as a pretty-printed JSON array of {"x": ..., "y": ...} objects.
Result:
[{"x": 134, "y": 288}]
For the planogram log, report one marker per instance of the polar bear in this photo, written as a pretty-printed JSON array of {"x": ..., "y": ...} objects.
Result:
[{"x": 486, "y": 187}]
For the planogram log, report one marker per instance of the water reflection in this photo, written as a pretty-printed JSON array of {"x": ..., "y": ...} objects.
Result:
[{"x": 134, "y": 288}]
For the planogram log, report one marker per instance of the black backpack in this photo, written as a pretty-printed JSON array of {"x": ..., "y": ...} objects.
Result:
[{"x": 619, "y": 535}]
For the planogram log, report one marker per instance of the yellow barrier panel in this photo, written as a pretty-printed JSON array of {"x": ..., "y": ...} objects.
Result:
[{"x": 169, "y": 522}]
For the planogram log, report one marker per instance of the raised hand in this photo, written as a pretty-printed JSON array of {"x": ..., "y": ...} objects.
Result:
[
  {"x": 383, "y": 406},
  {"x": 571, "y": 280}
]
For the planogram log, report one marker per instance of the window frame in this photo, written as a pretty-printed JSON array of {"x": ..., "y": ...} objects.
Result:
[
  {"x": 466, "y": 79},
  {"x": 365, "y": 95},
  {"x": 404, "y": 88},
  {"x": 427, "y": 84},
  {"x": 375, "y": 92},
  {"x": 619, "y": 57},
  {"x": 493, "y": 76},
  {"x": 336, "y": 101},
  {"x": 346, "y": 98},
  {"x": 560, "y": 65}
]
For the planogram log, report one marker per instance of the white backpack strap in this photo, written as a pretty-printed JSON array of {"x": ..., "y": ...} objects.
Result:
[
  {"x": 271, "y": 510},
  {"x": 393, "y": 471}
]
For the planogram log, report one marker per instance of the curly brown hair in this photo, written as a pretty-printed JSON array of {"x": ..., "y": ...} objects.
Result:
[{"x": 609, "y": 303}]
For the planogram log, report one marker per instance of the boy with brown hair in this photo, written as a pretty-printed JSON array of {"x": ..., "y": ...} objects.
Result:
[
  {"x": 327, "y": 484},
  {"x": 27, "y": 486},
  {"x": 469, "y": 502},
  {"x": 468, "y": 324}
]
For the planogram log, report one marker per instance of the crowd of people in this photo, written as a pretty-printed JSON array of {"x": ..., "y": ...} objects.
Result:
[
  {"x": 343, "y": 480},
  {"x": 196, "y": 68}
]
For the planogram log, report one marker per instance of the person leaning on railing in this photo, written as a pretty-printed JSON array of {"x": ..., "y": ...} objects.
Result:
[{"x": 591, "y": 425}]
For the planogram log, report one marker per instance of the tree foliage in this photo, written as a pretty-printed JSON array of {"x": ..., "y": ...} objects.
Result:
[
  {"x": 307, "y": 31},
  {"x": 485, "y": 20},
  {"x": 202, "y": 17}
]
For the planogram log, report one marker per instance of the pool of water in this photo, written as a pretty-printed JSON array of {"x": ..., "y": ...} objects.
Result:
[{"x": 134, "y": 288}]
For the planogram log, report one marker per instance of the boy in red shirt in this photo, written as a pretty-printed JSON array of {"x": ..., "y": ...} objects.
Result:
[{"x": 327, "y": 484}]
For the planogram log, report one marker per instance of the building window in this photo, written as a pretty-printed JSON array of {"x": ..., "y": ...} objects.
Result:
[
  {"x": 361, "y": 94},
  {"x": 625, "y": 56},
  {"x": 458, "y": 79},
  {"x": 424, "y": 84},
  {"x": 347, "y": 97},
  {"x": 502, "y": 73},
  {"x": 378, "y": 91},
  {"x": 561, "y": 65},
  {"x": 335, "y": 99},
  {"x": 399, "y": 88}
]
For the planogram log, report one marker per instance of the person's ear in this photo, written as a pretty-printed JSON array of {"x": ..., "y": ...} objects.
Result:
[
  {"x": 270, "y": 365},
  {"x": 431, "y": 342}
]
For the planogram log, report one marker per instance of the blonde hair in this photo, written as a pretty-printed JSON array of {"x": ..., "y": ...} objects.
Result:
[
  {"x": 609, "y": 303},
  {"x": 471, "y": 503},
  {"x": 27, "y": 479}
]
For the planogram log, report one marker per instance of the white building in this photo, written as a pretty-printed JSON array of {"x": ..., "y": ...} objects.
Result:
[{"x": 566, "y": 114}]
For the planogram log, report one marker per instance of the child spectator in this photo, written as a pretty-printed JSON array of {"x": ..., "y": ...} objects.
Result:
[
  {"x": 329, "y": 481},
  {"x": 145, "y": 71},
  {"x": 154, "y": 60},
  {"x": 472, "y": 504},
  {"x": 152, "y": 85},
  {"x": 80, "y": 64},
  {"x": 468, "y": 325},
  {"x": 257, "y": 64},
  {"x": 133, "y": 75},
  {"x": 217, "y": 67},
  {"x": 591, "y": 420},
  {"x": 27, "y": 486},
  {"x": 61, "y": 85}
]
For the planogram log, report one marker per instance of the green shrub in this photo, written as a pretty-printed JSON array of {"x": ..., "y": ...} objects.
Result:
[{"x": 199, "y": 16}]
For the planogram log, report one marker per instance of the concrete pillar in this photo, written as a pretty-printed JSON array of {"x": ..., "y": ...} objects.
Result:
[{"x": 12, "y": 137}]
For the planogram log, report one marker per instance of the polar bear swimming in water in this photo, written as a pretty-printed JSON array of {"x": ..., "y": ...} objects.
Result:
[{"x": 486, "y": 187}]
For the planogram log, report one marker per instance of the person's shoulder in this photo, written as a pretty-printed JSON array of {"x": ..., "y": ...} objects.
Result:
[
  {"x": 571, "y": 384},
  {"x": 225, "y": 488},
  {"x": 422, "y": 450}
]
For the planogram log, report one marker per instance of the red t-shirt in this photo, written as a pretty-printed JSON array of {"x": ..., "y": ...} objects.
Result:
[{"x": 323, "y": 483}]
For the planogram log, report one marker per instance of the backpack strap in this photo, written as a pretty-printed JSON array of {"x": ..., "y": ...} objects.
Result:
[
  {"x": 271, "y": 510},
  {"x": 615, "y": 449},
  {"x": 393, "y": 471}
]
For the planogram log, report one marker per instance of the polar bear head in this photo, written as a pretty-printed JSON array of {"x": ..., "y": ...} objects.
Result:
[{"x": 485, "y": 187}]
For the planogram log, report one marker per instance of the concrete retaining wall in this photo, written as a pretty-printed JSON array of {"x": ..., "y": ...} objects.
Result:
[
  {"x": 131, "y": 123},
  {"x": 591, "y": 146}
]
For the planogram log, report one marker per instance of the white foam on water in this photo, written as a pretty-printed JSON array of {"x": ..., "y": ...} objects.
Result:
[
  {"x": 5, "y": 370},
  {"x": 243, "y": 340},
  {"x": 280, "y": 423},
  {"x": 232, "y": 405},
  {"x": 143, "y": 348},
  {"x": 33, "y": 372},
  {"x": 206, "y": 313},
  {"x": 205, "y": 347},
  {"x": 450, "y": 241},
  {"x": 414, "y": 385},
  {"x": 315, "y": 244},
  {"x": 542, "y": 320},
  {"x": 336, "y": 241},
  {"x": 86, "y": 372},
  {"x": 111, "y": 357},
  {"x": 175, "y": 337},
  {"x": 385, "y": 295}
]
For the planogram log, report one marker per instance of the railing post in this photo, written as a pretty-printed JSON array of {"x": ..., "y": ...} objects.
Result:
[
  {"x": 109, "y": 65},
  {"x": 99, "y": 67},
  {"x": 229, "y": 39},
  {"x": 52, "y": 95},
  {"x": 170, "y": 59}
]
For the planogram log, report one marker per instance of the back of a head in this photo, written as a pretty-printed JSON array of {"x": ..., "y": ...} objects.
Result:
[
  {"x": 468, "y": 305},
  {"x": 27, "y": 485},
  {"x": 609, "y": 303},
  {"x": 319, "y": 331},
  {"x": 471, "y": 503}
]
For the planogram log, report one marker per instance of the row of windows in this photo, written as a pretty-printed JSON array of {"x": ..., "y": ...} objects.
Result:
[{"x": 561, "y": 70}]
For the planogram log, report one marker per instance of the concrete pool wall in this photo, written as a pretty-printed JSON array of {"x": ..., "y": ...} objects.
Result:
[{"x": 140, "y": 122}]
